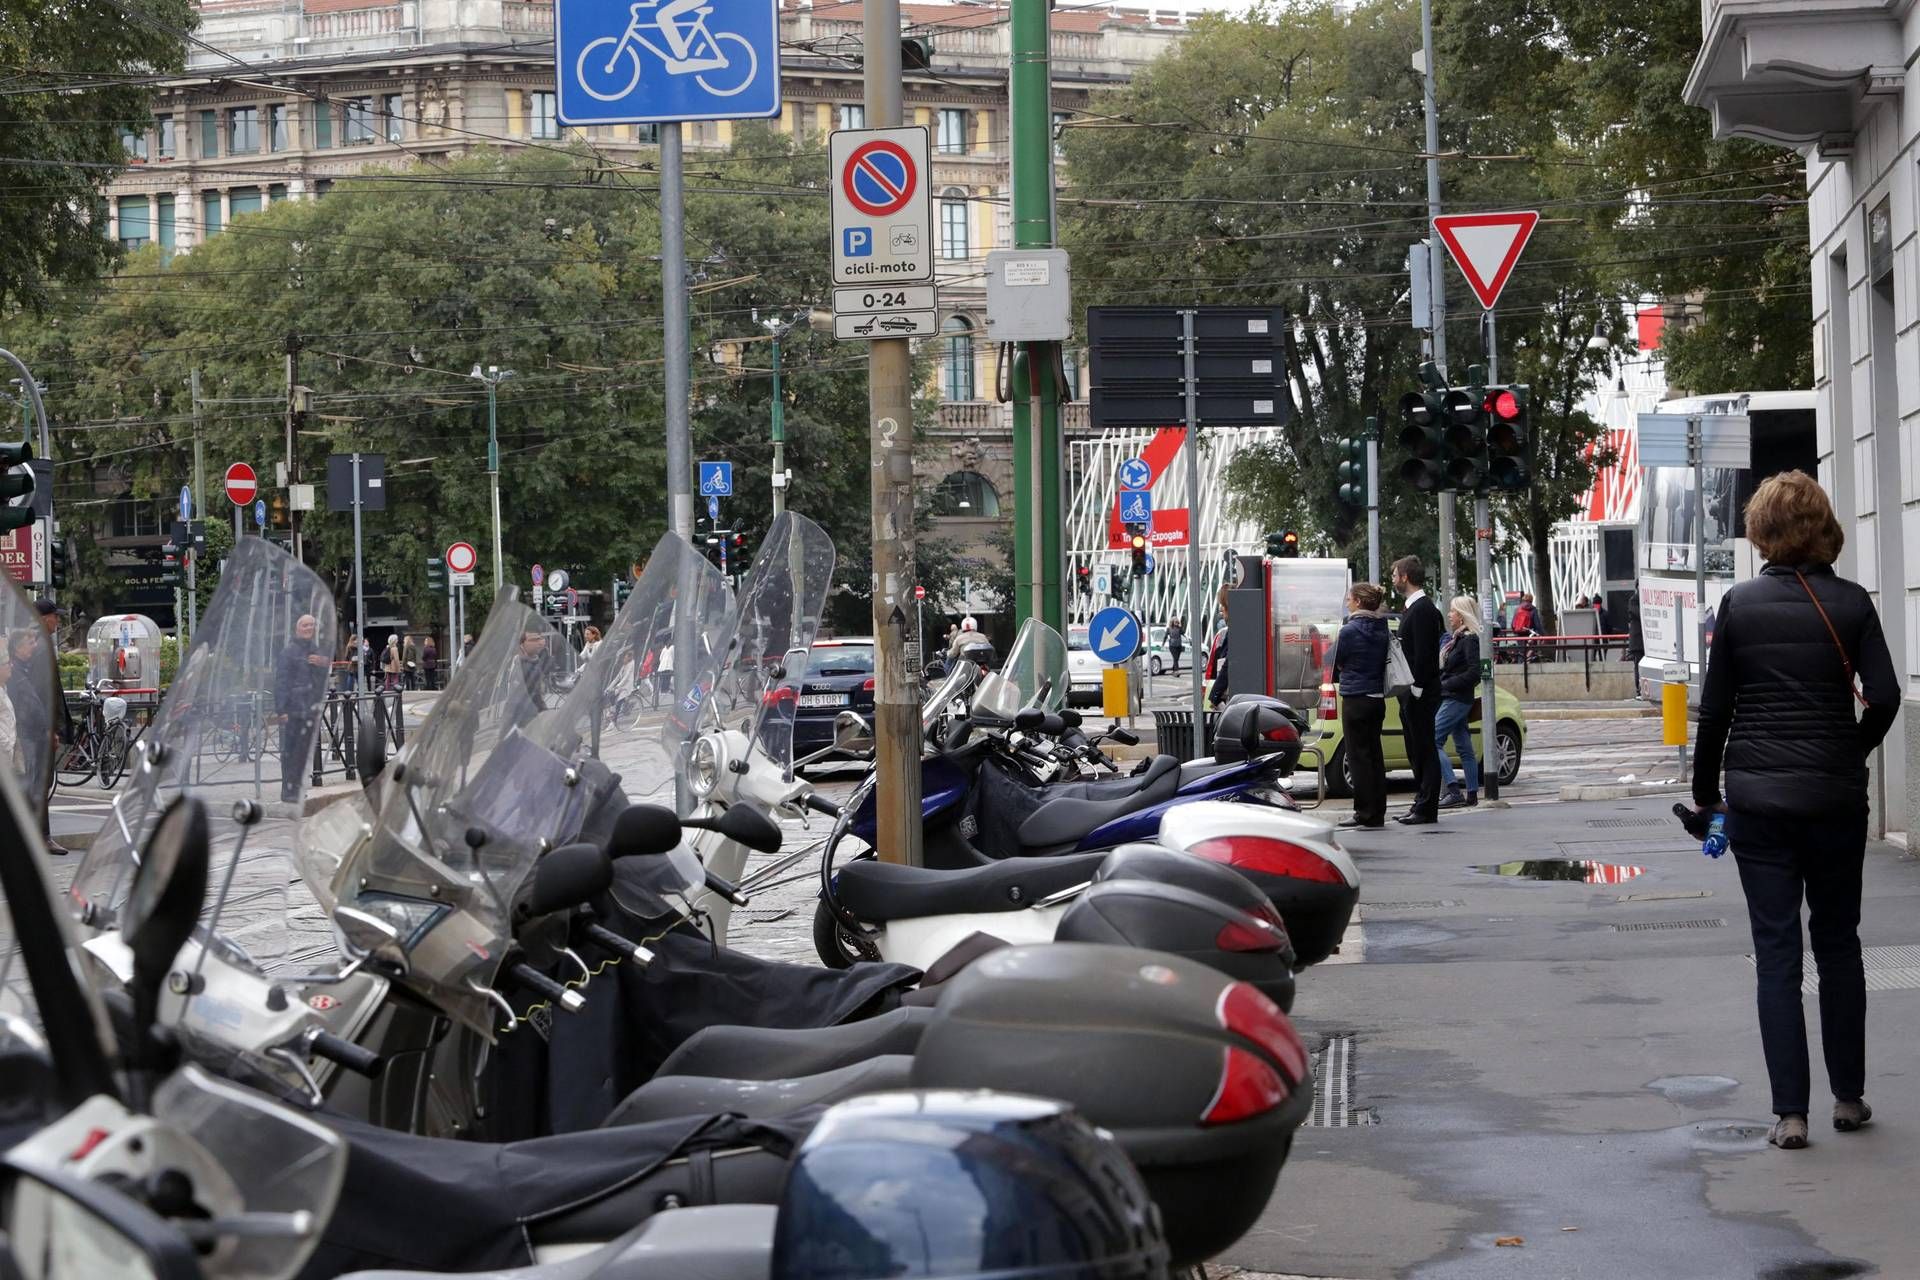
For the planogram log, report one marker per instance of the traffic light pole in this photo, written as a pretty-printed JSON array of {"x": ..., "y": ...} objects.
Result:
[
  {"x": 1192, "y": 450},
  {"x": 896, "y": 706},
  {"x": 1373, "y": 506},
  {"x": 1040, "y": 559},
  {"x": 30, "y": 390},
  {"x": 1436, "y": 274},
  {"x": 1483, "y": 574}
]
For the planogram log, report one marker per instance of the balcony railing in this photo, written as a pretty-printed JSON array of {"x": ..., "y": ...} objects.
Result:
[
  {"x": 360, "y": 24},
  {"x": 974, "y": 415},
  {"x": 526, "y": 17}
]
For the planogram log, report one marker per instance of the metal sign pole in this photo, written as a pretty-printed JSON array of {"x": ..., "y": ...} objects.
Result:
[
  {"x": 1193, "y": 523},
  {"x": 359, "y": 591},
  {"x": 1373, "y": 508},
  {"x": 1696, "y": 450},
  {"x": 1483, "y": 573}
]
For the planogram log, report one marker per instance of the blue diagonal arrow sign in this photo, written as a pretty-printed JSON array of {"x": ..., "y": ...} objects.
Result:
[{"x": 1114, "y": 634}]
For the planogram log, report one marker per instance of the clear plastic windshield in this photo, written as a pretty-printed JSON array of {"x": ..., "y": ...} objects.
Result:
[
  {"x": 465, "y": 811},
  {"x": 29, "y": 695},
  {"x": 237, "y": 729},
  {"x": 629, "y": 681},
  {"x": 1034, "y": 675},
  {"x": 752, "y": 680}
]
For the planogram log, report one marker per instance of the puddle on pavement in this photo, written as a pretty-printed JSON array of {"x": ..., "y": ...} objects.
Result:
[
  {"x": 1693, "y": 1088},
  {"x": 1578, "y": 870}
]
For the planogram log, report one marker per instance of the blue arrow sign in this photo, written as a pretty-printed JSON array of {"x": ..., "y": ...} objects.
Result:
[
  {"x": 1135, "y": 474},
  {"x": 716, "y": 479},
  {"x": 1114, "y": 634},
  {"x": 713, "y": 509},
  {"x": 621, "y": 63},
  {"x": 1148, "y": 566},
  {"x": 186, "y": 502},
  {"x": 1136, "y": 506}
]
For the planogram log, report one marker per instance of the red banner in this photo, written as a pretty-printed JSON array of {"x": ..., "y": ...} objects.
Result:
[
  {"x": 1169, "y": 526},
  {"x": 16, "y": 554}
]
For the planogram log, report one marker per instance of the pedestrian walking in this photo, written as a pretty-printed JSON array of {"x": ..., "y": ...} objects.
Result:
[
  {"x": 57, "y": 727},
  {"x": 352, "y": 656},
  {"x": 592, "y": 634},
  {"x": 1778, "y": 705},
  {"x": 1176, "y": 641},
  {"x": 390, "y": 663},
  {"x": 1459, "y": 686},
  {"x": 299, "y": 686},
  {"x": 1360, "y": 674},
  {"x": 430, "y": 662},
  {"x": 410, "y": 663},
  {"x": 1420, "y": 630}
]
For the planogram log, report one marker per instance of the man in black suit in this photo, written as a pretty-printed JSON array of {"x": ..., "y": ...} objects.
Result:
[{"x": 1420, "y": 630}]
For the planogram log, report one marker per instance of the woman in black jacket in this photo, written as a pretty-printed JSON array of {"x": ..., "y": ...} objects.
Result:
[
  {"x": 1360, "y": 672},
  {"x": 1778, "y": 704},
  {"x": 1459, "y": 685}
]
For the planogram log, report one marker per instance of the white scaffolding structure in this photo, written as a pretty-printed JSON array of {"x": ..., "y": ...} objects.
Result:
[{"x": 1092, "y": 482}]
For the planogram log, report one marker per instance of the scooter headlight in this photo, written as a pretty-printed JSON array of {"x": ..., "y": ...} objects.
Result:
[{"x": 703, "y": 767}]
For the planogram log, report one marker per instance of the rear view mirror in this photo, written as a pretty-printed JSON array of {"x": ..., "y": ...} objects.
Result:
[
  {"x": 371, "y": 937},
  {"x": 751, "y": 828},
  {"x": 852, "y": 732},
  {"x": 1029, "y": 719},
  {"x": 643, "y": 830},
  {"x": 59, "y": 1225}
]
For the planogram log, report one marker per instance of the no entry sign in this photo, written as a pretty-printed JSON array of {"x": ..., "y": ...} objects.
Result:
[
  {"x": 461, "y": 557},
  {"x": 241, "y": 484}
]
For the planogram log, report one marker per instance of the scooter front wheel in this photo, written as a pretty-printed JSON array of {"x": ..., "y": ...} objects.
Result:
[{"x": 835, "y": 947}]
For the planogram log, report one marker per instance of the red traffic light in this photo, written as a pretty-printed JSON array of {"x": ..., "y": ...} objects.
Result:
[
  {"x": 1504, "y": 404},
  {"x": 1291, "y": 538},
  {"x": 1085, "y": 572}
]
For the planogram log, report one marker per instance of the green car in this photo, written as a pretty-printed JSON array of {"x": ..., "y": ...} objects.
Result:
[{"x": 1510, "y": 727}]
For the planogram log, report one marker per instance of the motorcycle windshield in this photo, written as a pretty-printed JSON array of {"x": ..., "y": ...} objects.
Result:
[
  {"x": 29, "y": 695},
  {"x": 752, "y": 680},
  {"x": 629, "y": 681},
  {"x": 466, "y": 810},
  {"x": 237, "y": 729},
  {"x": 1034, "y": 675}
]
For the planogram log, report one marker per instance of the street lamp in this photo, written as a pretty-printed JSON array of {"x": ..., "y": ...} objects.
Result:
[
  {"x": 779, "y": 327},
  {"x": 493, "y": 377}
]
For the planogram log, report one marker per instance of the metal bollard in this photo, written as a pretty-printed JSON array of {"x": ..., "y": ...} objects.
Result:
[{"x": 1673, "y": 710}]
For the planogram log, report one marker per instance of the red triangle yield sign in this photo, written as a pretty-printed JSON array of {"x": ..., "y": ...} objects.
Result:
[{"x": 1485, "y": 246}]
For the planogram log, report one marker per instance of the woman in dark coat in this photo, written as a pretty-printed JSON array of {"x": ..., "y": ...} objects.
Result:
[
  {"x": 1459, "y": 686},
  {"x": 1778, "y": 709},
  {"x": 1360, "y": 671}
]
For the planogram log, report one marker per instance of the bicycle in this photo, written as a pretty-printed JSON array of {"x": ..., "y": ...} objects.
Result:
[
  {"x": 605, "y": 81},
  {"x": 100, "y": 745}
]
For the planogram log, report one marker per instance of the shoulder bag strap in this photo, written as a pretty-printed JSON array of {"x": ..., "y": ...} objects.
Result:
[{"x": 1846, "y": 663}]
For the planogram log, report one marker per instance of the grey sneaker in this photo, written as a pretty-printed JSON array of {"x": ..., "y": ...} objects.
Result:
[
  {"x": 1789, "y": 1133},
  {"x": 1848, "y": 1116}
]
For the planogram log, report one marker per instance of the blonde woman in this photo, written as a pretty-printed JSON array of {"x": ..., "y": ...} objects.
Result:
[{"x": 1459, "y": 683}]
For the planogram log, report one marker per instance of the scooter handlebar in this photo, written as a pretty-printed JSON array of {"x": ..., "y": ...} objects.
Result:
[
  {"x": 613, "y": 942},
  {"x": 528, "y": 976},
  {"x": 726, "y": 889},
  {"x": 356, "y": 1058},
  {"x": 820, "y": 804}
]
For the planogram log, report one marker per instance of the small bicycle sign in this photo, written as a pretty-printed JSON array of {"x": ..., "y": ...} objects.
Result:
[{"x": 609, "y": 69}]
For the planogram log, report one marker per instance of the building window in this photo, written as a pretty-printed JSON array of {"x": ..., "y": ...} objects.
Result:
[
  {"x": 276, "y": 193},
  {"x": 132, "y": 518},
  {"x": 357, "y": 122},
  {"x": 243, "y": 200},
  {"x": 135, "y": 229},
  {"x": 163, "y": 226},
  {"x": 209, "y": 134},
  {"x": 956, "y": 362},
  {"x": 209, "y": 213},
  {"x": 953, "y": 130},
  {"x": 953, "y": 223},
  {"x": 647, "y": 133},
  {"x": 322, "y": 113},
  {"x": 542, "y": 120},
  {"x": 166, "y": 138},
  {"x": 1060, "y": 119},
  {"x": 276, "y": 128},
  {"x": 243, "y": 131},
  {"x": 966, "y": 493},
  {"x": 136, "y": 145},
  {"x": 321, "y": 186},
  {"x": 853, "y": 115},
  {"x": 1072, "y": 368},
  {"x": 391, "y": 108}
]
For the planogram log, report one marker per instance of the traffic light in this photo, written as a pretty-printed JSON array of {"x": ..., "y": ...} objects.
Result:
[
  {"x": 1353, "y": 465},
  {"x": 17, "y": 482},
  {"x": 1423, "y": 435},
  {"x": 436, "y": 574},
  {"x": 1507, "y": 437},
  {"x": 1084, "y": 574},
  {"x": 170, "y": 571},
  {"x": 1467, "y": 434},
  {"x": 1283, "y": 544},
  {"x": 1139, "y": 544},
  {"x": 619, "y": 588},
  {"x": 277, "y": 509},
  {"x": 64, "y": 555}
]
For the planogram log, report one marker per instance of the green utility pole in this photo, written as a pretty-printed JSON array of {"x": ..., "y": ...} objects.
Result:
[
  {"x": 1039, "y": 516},
  {"x": 779, "y": 434}
]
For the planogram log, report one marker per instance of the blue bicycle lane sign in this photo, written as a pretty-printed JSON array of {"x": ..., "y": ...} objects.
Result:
[
  {"x": 716, "y": 479},
  {"x": 650, "y": 61}
]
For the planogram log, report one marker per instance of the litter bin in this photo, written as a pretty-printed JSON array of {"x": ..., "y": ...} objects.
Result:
[{"x": 1173, "y": 733}]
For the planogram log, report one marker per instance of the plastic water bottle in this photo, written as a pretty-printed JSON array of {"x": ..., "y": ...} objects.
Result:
[{"x": 1716, "y": 842}]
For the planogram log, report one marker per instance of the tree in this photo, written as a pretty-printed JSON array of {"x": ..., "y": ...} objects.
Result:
[
  {"x": 1278, "y": 159},
  {"x": 81, "y": 65}
]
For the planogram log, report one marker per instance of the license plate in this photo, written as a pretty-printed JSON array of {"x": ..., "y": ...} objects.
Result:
[{"x": 823, "y": 700}]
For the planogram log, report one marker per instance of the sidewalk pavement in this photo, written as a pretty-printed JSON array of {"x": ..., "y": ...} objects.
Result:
[{"x": 1575, "y": 1069}]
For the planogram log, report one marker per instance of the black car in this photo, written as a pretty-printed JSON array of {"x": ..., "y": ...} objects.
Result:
[{"x": 839, "y": 678}]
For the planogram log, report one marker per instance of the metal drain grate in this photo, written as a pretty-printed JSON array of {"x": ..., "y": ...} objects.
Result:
[
  {"x": 1627, "y": 822},
  {"x": 1888, "y": 969},
  {"x": 1642, "y": 926},
  {"x": 1333, "y": 1087}
]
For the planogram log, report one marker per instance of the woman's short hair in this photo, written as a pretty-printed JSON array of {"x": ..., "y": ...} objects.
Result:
[
  {"x": 1790, "y": 521},
  {"x": 1367, "y": 595}
]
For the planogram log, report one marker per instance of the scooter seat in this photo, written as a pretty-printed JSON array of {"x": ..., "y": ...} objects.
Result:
[
  {"x": 1069, "y": 818},
  {"x": 881, "y": 891},
  {"x": 770, "y": 1053},
  {"x": 667, "y": 1097}
]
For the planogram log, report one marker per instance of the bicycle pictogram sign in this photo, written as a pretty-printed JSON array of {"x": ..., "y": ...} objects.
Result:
[{"x": 640, "y": 61}]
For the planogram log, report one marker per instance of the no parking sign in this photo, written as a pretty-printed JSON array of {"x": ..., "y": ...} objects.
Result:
[{"x": 882, "y": 211}]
